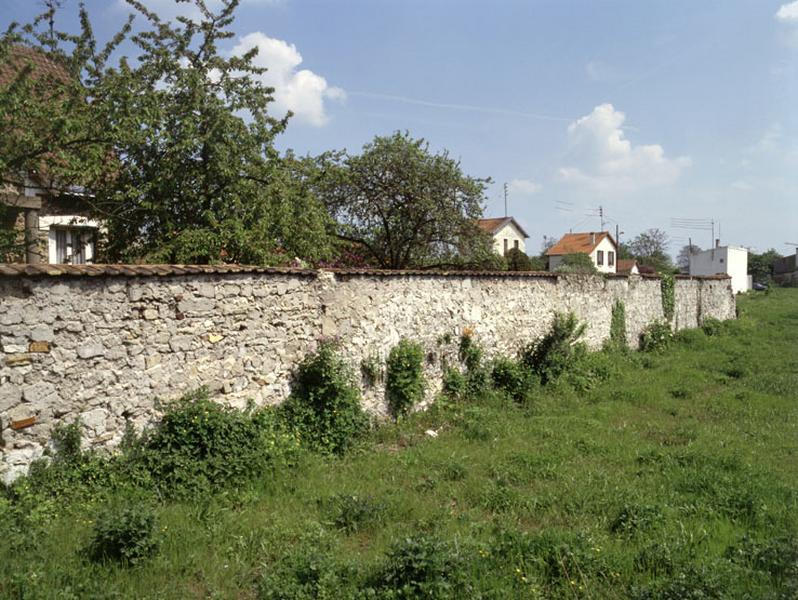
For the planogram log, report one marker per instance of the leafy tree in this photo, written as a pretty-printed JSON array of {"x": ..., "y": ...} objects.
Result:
[
  {"x": 576, "y": 263},
  {"x": 760, "y": 266},
  {"x": 176, "y": 171},
  {"x": 405, "y": 206},
  {"x": 199, "y": 182},
  {"x": 651, "y": 248},
  {"x": 49, "y": 100},
  {"x": 517, "y": 260},
  {"x": 683, "y": 260}
]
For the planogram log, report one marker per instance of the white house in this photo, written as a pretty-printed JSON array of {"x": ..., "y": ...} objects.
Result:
[
  {"x": 600, "y": 246},
  {"x": 723, "y": 260},
  {"x": 506, "y": 232}
]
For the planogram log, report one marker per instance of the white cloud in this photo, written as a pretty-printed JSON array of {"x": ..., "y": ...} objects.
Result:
[
  {"x": 301, "y": 91},
  {"x": 788, "y": 13},
  {"x": 524, "y": 187},
  {"x": 606, "y": 162}
]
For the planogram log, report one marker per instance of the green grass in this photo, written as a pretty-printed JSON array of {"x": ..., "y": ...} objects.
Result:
[{"x": 676, "y": 478}]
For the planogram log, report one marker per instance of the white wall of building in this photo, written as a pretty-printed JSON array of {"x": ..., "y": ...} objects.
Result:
[
  {"x": 506, "y": 238},
  {"x": 725, "y": 260},
  {"x": 605, "y": 246}
]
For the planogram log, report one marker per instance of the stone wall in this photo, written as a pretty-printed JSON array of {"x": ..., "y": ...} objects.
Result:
[{"x": 102, "y": 344}]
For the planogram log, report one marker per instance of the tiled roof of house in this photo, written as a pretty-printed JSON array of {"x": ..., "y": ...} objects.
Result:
[
  {"x": 625, "y": 265},
  {"x": 493, "y": 225},
  {"x": 579, "y": 243},
  {"x": 19, "y": 57}
]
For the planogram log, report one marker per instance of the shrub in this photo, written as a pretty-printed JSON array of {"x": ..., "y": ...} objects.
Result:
[
  {"x": 125, "y": 535},
  {"x": 549, "y": 356},
  {"x": 470, "y": 352},
  {"x": 656, "y": 336},
  {"x": 354, "y": 513},
  {"x": 668, "y": 292},
  {"x": 405, "y": 376},
  {"x": 310, "y": 572},
  {"x": 517, "y": 260},
  {"x": 511, "y": 377},
  {"x": 66, "y": 441},
  {"x": 576, "y": 263},
  {"x": 422, "y": 567},
  {"x": 712, "y": 326},
  {"x": 454, "y": 383},
  {"x": 202, "y": 445},
  {"x": 324, "y": 405},
  {"x": 618, "y": 327}
]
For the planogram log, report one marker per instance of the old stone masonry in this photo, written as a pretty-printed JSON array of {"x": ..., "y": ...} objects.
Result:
[{"x": 103, "y": 343}]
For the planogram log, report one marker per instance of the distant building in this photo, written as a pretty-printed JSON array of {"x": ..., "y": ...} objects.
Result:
[
  {"x": 506, "y": 232},
  {"x": 785, "y": 269},
  {"x": 723, "y": 260},
  {"x": 627, "y": 266},
  {"x": 600, "y": 246}
]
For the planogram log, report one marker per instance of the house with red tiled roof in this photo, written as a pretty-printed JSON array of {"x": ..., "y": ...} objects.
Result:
[
  {"x": 600, "y": 246},
  {"x": 54, "y": 225},
  {"x": 506, "y": 233},
  {"x": 627, "y": 266}
]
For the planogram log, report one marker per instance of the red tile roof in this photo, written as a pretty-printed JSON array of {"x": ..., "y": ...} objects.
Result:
[
  {"x": 120, "y": 270},
  {"x": 19, "y": 57},
  {"x": 493, "y": 225},
  {"x": 579, "y": 243},
  {"x": 624, "y": 265}
]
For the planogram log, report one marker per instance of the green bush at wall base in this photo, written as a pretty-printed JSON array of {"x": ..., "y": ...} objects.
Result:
[
  {"x": 618, "y": 327},
  {"x": 552, "y": 354},
  {"x": 324, "y": 405},
  {"x": 656, "y": 336},
  {"x": 404, "y": 384}
]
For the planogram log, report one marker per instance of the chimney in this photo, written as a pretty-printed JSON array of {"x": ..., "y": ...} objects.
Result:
[
  {"x": 592, "y": 239},
  {"x": 717, "y": 242}
]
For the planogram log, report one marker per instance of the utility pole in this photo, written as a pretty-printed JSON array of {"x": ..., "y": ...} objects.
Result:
[
  {"x": 505, "y": 198},
  {"x": 601, "y": 216}
]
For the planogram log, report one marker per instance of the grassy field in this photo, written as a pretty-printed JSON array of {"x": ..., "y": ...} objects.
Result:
[{"x": 675, "y": 478}]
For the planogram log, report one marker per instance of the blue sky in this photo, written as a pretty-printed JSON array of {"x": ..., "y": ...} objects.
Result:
[{"x": 653, "y": 110}]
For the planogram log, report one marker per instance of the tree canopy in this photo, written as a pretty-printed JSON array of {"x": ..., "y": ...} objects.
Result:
[
  {"x": 650, "y": 248},
  {"x": 760, "y": 266},
  {"x": 176, "y": 144},
  {"x": 404, "y": 205}
]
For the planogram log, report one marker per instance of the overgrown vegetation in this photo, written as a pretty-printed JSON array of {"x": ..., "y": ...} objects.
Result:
[
  {"x": 404, "y": 381},
  {"x": 656, "y": 336},
  {"x": 617, "y": 339},
  {"x": 576, "y": 263},
  {"x": 556, "y": 351},
  {"x": 324, "y": 406},
  {"x": 670, "y": 478},
  {"x": 668, "y": 291}
]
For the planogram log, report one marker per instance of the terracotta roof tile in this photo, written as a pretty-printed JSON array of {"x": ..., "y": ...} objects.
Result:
[
  {"x": 19, "y": 57},
  {"x": 624, "y": 265},
  {"x": 579, "y": 243},
  {"x": 118, "y": 270},
  {"x": 493, "y": 224}
]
